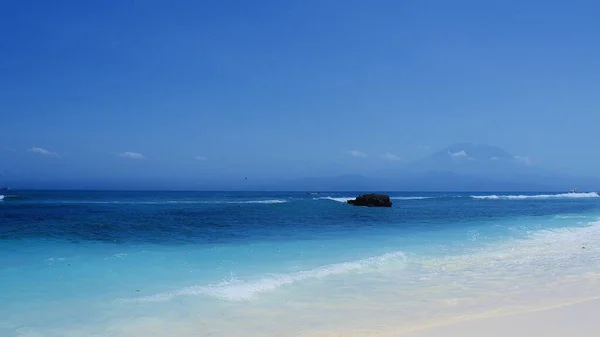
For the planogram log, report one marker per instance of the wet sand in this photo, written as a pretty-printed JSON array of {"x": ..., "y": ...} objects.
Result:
[{"x": 579, "y": 319}]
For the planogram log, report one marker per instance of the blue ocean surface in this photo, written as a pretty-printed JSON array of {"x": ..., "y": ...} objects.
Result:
[{"x": 91, "y": 263}]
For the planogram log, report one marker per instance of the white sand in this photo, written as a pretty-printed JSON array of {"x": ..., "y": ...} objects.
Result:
[{"x": 580, "y": 320}]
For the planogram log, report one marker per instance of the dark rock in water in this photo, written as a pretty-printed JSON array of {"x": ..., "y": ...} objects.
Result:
[{"x": 372, "y": 200}]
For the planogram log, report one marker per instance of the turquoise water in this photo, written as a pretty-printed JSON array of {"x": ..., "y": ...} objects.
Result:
[{"x": 284, "y": 264}]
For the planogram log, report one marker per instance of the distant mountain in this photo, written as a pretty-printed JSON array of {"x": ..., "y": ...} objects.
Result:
[
  {"x": 473, "y": 159},
  {"x": 460, "y": 167}
]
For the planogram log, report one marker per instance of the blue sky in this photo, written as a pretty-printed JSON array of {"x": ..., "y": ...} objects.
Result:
[{"x": 194, "y": 91}]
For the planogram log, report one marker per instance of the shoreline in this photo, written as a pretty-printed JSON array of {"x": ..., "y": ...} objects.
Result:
[{"x": 559, "y": 320}]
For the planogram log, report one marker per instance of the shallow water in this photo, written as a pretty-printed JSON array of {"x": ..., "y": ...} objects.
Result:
[{"x": 284, "y": 264}]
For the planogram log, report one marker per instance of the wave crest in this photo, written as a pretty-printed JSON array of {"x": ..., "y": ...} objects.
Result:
[
  {"x": 338, "y": 199},
  {"x": 345, "y": 199},
  {"x": 537, "y": 196},
  {"x": 237, "y": 290},
  {"x": 273, "y": 201}
]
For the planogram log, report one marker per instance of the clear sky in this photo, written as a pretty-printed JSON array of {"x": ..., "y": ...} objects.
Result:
[{"x": 191, "y": 91}]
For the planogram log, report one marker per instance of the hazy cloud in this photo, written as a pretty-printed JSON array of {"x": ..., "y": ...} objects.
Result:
[
  {"x": 390, "y": 157},
  {"x": 494, "y": 158},
  {"x": 523, "y": 159},
  {"x": 461, "y": 153},
  {"x": 199, "y": 158},
  {"x": 357, "y": 154},
  {"x": 43, "y": 151},
  {"x": 131, "y": 155}
]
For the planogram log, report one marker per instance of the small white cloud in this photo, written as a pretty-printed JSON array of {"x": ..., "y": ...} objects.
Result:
[
  {"x": 43, "y": 152},
  {"x": 523, "y": 159},
  {"x": 200, "y": 158},
  {"x": 131, "y": 155},
  {"x": 494, "y": 158},
  {"x": 461, "y": 153},
  {"x": 357, "y": 154},
  {"x": 390, "y": 157}
]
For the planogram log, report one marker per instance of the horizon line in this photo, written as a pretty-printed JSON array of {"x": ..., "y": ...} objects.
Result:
[{"x": 290, "y": 191}]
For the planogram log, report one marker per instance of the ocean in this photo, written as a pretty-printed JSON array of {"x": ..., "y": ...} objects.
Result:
[{"x": 85, "y": 263}]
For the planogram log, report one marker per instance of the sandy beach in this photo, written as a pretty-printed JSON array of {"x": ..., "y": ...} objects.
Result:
[{"x": 578, "y": 319}]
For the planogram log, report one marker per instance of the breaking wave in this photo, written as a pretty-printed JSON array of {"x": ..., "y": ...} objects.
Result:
[
  {"x": 10, "y": 197},
  {"x": 274, "y": 201},
  {"x": 338, "y": 199},
  {"x": 238, "y": 290},
  {"x": 537, "y": 196},
  {"x": 345, "y": 199}
]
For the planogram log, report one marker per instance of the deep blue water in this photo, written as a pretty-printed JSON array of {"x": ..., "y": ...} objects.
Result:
[
  {"x": 171, "y": 218},
  {"x": 94, "y": 259}
]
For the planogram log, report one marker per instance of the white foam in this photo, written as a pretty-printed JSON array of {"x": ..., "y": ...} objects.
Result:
[
  {"x": 571, "y": 217},
  {"x": 1, "y": 197},
  {"x": 537, "y": 196},
  {"x": 345, "y": 199},
  {"x": 561, "y": 251},
  {"x": 485, "y": 197},
  {"x": 237, "y": 290},
  {"x": 274, "y": 201},
  {"x": 338, "y": 199}
]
